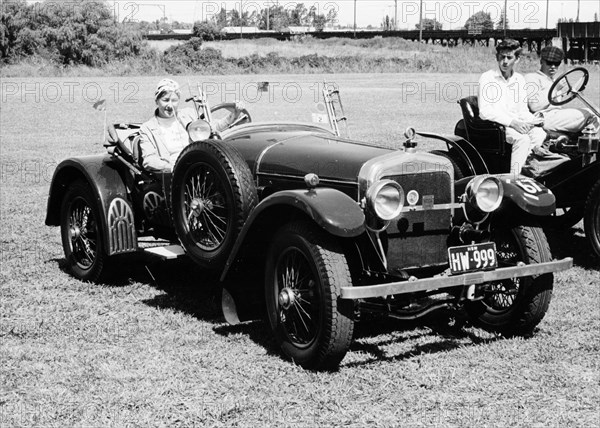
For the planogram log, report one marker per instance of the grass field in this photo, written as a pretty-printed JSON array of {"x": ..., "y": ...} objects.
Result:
[{"x": 149, "y": 347}]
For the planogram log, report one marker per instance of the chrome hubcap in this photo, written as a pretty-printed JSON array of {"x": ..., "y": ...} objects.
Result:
[
  {"x": 287, "y": 297},
  {"x": 197, "y": 206},
  {"x": 75, "y": 233}
]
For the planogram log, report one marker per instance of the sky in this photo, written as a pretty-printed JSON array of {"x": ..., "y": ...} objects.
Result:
[{"x": 452, "y": 14}]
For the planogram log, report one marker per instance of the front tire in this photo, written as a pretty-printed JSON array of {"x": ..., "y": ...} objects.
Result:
[
  {"x": 304, "y": 272},
  {"x": 80, "y": 233},
  {"x": 515, "y": 306},
  {"x": 591, "y": 221}
]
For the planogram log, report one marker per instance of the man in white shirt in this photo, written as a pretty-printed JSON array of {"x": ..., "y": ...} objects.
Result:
[
  {"x": 556, "y": 119},
  {"x": 503, "y": 99}
]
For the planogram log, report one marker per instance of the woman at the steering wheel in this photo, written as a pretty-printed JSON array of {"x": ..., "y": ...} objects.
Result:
[{"x": 165, "y": 135}]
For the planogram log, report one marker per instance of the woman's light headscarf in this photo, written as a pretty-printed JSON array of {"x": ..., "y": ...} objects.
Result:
[{"x": 164, "y": 86}]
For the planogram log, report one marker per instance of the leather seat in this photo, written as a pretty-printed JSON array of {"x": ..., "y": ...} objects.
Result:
[
  {"x": 489, "y": 138},
  {"x": 132, "y": 143},
  {"x": 127, "y": 139},
  {"x": 485, "y": 135}
]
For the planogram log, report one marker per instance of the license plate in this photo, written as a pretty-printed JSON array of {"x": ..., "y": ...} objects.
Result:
[{"x": 471, "y": 258}]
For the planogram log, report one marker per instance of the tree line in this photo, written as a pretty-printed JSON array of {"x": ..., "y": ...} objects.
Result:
[
  {"x": 479, "y": 20},
  {"x": 276, "y": 18},
  {"x": 86, "y": 31},
  {"x": 80, "y": 32}
]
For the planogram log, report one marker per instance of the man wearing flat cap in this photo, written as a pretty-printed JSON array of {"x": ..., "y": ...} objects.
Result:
[{"x": 556, "y": 119}]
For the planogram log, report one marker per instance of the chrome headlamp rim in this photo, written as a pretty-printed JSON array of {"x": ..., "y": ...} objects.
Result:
[
  {"x": 375, "y": 197},
  {"x": 199, "y": 130},
  {"x": 477, "y": 191}
]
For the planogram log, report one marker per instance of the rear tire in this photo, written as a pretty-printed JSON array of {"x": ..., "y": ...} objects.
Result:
[
  {"x": 305, "y": 270},
  {"x": 515, "y": 306},
  {"x": 591, "y": 221},
  {"x": 82, "y": 240}
]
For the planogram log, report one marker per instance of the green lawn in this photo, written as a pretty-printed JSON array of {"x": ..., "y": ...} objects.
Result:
[{"x": 152, "y": 350}]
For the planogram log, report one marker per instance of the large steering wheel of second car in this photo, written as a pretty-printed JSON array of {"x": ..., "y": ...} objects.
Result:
[{"x": 567, "y": 86}]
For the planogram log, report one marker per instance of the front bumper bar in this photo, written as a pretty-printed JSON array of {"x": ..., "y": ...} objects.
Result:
[{"x": 404, "y": 287}]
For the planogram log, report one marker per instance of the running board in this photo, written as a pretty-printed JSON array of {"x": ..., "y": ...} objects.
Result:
[{"x": 168, "y": 252}]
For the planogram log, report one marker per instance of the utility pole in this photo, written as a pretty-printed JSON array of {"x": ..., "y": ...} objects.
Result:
[
  {"x": 578, "y": 3},
  {"x": 547, "y": 9},
  {"x": 504, "y": 17},
  {"x": 395, "y": 14},
  {"x": 421, "y": 22},
  {"x": 355, "y": 19}
]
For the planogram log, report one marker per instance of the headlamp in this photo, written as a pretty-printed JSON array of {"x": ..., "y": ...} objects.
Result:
[
  {"x": 485, "y": 193},
  {"x": 199, "y": 130},
  {"x": 386, "y": 199}
]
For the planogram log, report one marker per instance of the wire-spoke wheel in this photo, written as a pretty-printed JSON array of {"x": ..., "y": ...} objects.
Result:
[
  {"x": 80, "y": 231},
  {"x": 591, "y": 220},
  {"x": 205, "y": 207},
  {"x": 298, "y": 298},
  {"x": 212, "y": 194},
  {"x": 515, "y": 306},
  {"x": 304, "y": 272}
]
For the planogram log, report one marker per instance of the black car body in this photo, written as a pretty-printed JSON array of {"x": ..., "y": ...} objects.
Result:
[{"x": 335, "y": 227}]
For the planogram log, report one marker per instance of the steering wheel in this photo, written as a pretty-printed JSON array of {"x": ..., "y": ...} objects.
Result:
[
  {"x": 244, "y": 116},
  {"x": 567, "y": 86}
]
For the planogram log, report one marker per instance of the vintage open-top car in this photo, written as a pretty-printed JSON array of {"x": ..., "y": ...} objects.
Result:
[
  {"x": 335, "y": 227},
  {"x": 574, "y": 179}
]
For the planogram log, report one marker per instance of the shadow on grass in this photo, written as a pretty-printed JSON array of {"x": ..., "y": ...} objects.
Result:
[
  {"x": 571, "y": 242},
  {"x": 187, "y": 288},
  {"x": 191, "y": 290},
  {"x": 196, "y": 292},
  {"x": 444, "y": 330}
]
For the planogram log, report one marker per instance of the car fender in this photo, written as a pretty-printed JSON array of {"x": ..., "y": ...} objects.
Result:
[
  {"x": 104, "y": 176},
  {"x": 524, "y": 192},
  {"x": 331, "y": 209},
  {"x": 573, "y": 184},
  {"x": 468, "y": 154}
]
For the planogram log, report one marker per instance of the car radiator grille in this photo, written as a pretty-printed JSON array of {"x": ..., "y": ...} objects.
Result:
[{"x": 418, "y": 237}]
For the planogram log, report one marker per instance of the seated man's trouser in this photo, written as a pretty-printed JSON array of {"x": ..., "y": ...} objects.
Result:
[
  {"x": 571, "y": 120},
  {"x": 522, "y": 144}
]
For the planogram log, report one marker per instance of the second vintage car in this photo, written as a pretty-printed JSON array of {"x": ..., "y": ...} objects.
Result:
[
  {"x": 572, "y": 172},
  {"x": 335, "y": 227}
]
